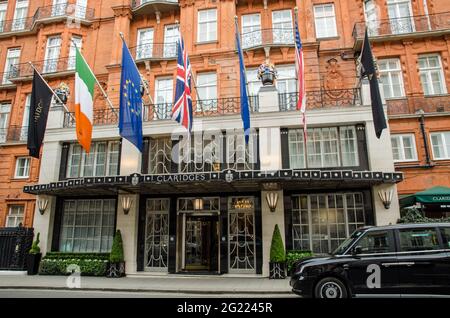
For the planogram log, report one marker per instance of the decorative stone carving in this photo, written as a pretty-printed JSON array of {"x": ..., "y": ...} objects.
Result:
[{"x": 334, "y": 79}]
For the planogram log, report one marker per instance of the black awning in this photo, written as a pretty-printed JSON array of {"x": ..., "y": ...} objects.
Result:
[{"x": 224, "y": 181}]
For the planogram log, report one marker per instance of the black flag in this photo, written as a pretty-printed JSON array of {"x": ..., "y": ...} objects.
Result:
[
  {"x": 368, "y": 69},
  {"x": 41, "y": 97}
]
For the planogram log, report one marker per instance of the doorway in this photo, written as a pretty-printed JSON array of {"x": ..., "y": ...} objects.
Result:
[{"x": 201, "y": 243}]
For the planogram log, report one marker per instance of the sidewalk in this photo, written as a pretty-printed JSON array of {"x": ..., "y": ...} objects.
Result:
[{"x": 164, "y": 284}]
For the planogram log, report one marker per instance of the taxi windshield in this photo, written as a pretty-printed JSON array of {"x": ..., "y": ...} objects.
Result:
[{"x": 347, "y": 243}]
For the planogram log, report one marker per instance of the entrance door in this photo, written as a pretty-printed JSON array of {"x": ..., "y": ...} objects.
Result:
[{"x": 201, "y": 243}]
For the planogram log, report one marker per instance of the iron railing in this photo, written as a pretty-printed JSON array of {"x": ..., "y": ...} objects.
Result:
[
  {"x": 155, "y": 51},
  {"x": 4, "y": 81},
  {"x": 15, "y": 242},
  {"x": 412, "y": 104},
  {"x": 321, "y": 99},
  {"x": 410, "y": 24},
  {"x": 17, "y": 25},
  {"x": 271, "y": 37},
  {"x": 138, "y": 3},
  {"x": 105, "y": 116},
  {"x": 64, "y": 64},
  {"x": 13, "y": 133}
]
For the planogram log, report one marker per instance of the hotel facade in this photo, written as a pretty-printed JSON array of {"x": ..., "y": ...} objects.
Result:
[{"x": 211, "y": 207}]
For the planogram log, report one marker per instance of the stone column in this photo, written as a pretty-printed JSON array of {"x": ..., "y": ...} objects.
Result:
[{"x": 269, "y": 220}]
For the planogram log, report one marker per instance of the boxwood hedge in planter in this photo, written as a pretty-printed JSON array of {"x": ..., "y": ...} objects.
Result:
[
  {"x": 293, "y": 257},
  {"x": 61, "y": 264}
]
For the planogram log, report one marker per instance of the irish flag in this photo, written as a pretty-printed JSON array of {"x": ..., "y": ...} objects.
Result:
[{"x": 84, "y": 96}]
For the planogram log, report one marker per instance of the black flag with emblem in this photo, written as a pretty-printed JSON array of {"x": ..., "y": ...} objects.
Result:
[
  {"x": 368, "y": 69},
  {"x": 41, "y": 97}
]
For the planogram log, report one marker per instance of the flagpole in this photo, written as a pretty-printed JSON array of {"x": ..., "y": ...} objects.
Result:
[
  {"x": 245, "y": 70},
  {"x": 98, "y": 83},
  {"x": 51, "y": 89}
]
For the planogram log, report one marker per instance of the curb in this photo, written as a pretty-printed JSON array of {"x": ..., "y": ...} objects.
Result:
[{"x": 140, "y": 290}]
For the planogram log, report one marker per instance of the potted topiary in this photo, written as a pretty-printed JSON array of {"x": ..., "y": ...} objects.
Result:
[
  {"x": 116, "y": 259},
  {"x": 277, "y": 265},
  {"x": 34, "y": 257}
]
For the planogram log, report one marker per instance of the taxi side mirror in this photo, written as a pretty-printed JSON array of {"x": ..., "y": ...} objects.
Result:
[{"x": 357, "y": 250}]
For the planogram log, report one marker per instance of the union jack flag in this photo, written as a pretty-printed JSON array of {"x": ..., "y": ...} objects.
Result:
[
  {"x": 299, "y": 62},
  {"x": 182, "y": 108}
]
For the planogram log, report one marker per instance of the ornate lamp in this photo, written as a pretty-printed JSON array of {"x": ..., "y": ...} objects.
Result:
[
  {"x": 386, "y": 197},
  {"x": 272, "y": 200},
  {"x": 42, "y": 205},
  {"x": 126, "y": 202}
]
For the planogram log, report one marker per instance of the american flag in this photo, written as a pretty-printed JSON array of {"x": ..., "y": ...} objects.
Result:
[
  {"x": 182, "y": 108},
  {"x": 299, "y": 62}
]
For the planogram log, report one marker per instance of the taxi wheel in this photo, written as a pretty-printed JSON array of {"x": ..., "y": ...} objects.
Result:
[{"x": 330, "y": 287}]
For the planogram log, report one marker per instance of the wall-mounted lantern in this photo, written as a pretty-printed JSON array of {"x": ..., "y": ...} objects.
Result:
[
  {"x": 198, "y": 204},
  {"x": 272, "y": 200},
  {"x": 42, "y": 205},
  {"x": 386, "y": 197},
  {"x": 126, "y": 202}
]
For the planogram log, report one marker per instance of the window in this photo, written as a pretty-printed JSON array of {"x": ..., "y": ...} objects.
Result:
[
  {"x": 59, "y": 7},
  {"x": 431, "y": 75},
  {"x": 287, "y": 79},
  {"x": 325, "y": 21},
  {"x": 160, "y": 155},
  {"x": 25, "y": 118},
  {"x": 87, "y": 225},
  {"x": 4, "y": 117},
  {"x": 3, "y": 8},
  {"x": 371, "y": 16},
  {"x": 251, "y": 30},
  {"x": 52, "y": 54},
  {"x": 20, "y": 15},
  {"x": 144, "y": 47},
  {"x": 207, "y": 25},
  {"x": 207, "y": 91},
  {"x": 375, "y": 242},
  {"x": 171, "y": 34},
  {"x": 101, "y": 161},
  {"x": 403, "y": 147},
  {"x": 15, "y": 216},
  {"x": 326, "y": 147},
  {"x": 391, "y": 78},
  {"x": 80, "y": 11},
  {"x": 418, "y": 240},
  {"x": 321, "y": 222},
  {"x": 163, "y": 98},
  {"x": 445, "y": 233},
  {"x": 74, "y": 44},
  {"x": 22, "y": 167},
  {"x": 441, "y": 145},
  {"x": 12, "y": 58},
  {"x": 400, "y": 16},
  {"x": 282, "y": 27}
]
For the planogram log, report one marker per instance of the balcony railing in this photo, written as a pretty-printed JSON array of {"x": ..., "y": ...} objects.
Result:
[
  {"x": 268, "y": 37},
  {"x": 50, "y": 66},
  {"x": 4, "y": 81},
  {"x": 48, "y": 12},
  {"x": 411, "y": 24},
  {"x": 155, "y": 51},
  {"x": 105, "y": 116},
  {"x": 412, "y": 104},
  {"x": 13, "y": 134},
  {"x": 321, "y": 99}
]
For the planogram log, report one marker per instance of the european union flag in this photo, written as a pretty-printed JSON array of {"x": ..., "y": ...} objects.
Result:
[{"x": 130, "y": 117}]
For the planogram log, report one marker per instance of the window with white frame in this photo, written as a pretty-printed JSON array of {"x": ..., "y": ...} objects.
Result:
[
  {"x": 326, "y": 147},
  {"x": 440, "y": 142},
  {"x": 371, "y": 17},
  {"x": 3, "y": 8},
  {"x": 251, "y": 30},
  {"x": 87, "y": 225},
  {"x": 404, "y": 147},
  {"x": 144, "y": 47},
  {"x": 253, "y": 84},
  {"x": 207, "y": 91},
  {"x": 103, "y": 160},
  {"x": 74, "y": 44},
  {"x": 282, "y": 27},
  {"x": 391, "y": 78},
  {"x": 163, "y": 97},
  {"x": 22, "y": 167},
  {"x": 20, "y": 15},
  {"x": 4, "y": 120},
  {"x": 52, "y": 54},
  {"x": 25, "y": 118},
  {"x": 171, "y": 34},
  {"x": 15, "y": 215},
  {"x": 325, "y": 20},
  {"x": 12, "y": 59},
  {"x": 400, "y": 16},
  {"x": 207, "y": 25},
  {"x": 286, "y": 84},
  {"x": 431, "y": 75}
]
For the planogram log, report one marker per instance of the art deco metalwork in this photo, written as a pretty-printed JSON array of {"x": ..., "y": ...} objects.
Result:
[
  {"x": 42, "y": 205},
  {"x": 386, "y": 197},
  {"x": 157, "y": 233}
]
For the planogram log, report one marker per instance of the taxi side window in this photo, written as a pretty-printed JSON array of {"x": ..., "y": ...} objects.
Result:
[
  {"x": 375, "y": 242},
  {"x": 445, "y": 233},
  {"x": 418, "y": 239}
]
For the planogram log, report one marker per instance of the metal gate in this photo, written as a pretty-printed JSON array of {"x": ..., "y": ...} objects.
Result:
[{"x": 15, "y": 242}]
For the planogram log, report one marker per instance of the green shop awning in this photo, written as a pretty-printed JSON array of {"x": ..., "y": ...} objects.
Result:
[{"x": 433, "y": 195}]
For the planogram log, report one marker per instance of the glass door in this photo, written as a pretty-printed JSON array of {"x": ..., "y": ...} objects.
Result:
[
  {"x": 25, "y": 118},
  {"x": 12, "y": 59},
  {"x": 59, "y": 8},
  {"x": 400, "y": 16},
  {"x": 4, "y": 116},
  {"x": 3, "y": 8},
  {"x": 81, "y": 8},
  {"x": 144, "y": 47},
  {"x": 20, "y": 15},
  {"x": 75, "y": 43},
  {"x": 251, "y": 30},
  {"x": 170, "y": 40},
  {"x": 371, "y": 15},
  {"x": 157, "y": 234},
  {"x": 163, "y": 98},
  {"x": 282, "y": 27},
  {"x": 52, "y": 54}
]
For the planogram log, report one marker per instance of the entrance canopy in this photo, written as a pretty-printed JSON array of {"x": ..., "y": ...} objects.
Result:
[{"x": 435, "y": 195}]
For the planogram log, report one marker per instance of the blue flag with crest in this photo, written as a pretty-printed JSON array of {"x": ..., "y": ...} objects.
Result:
[{"x": 130, "y": 114}]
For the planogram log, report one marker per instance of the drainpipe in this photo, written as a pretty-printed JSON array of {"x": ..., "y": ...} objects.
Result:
[{"x": 424, "y": 136}]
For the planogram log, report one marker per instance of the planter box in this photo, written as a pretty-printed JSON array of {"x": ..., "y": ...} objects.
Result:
[
  {"x": 116, "y": 270},
  {"x": 33, "y": 261},
  {"x": 268, "y": 79},
  {"x": 277, "y": 270}
]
